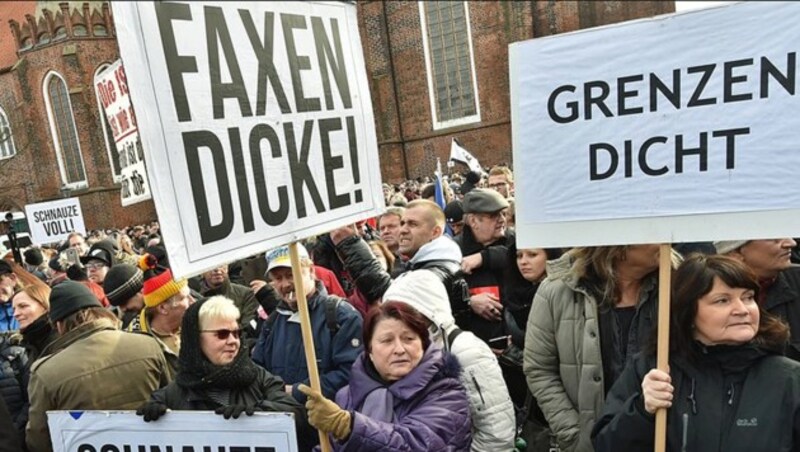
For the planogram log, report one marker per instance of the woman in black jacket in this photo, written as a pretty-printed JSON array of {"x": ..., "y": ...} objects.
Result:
[
  {"x": 728, "y": 387},
  {"x": 217, "y": 374}
]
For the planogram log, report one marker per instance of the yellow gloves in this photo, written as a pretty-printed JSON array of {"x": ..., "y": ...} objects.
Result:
[{"x": 326, "y": 415}]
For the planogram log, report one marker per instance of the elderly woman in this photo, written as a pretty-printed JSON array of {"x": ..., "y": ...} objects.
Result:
[
  {"x": 728, "y": 388},
  {"x": 404, "y": 392},
  {"x": 217, "y": 374},
  {"x": 587, "y": 321}
]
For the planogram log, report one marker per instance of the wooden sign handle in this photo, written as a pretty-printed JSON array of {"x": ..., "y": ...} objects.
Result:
[
  {"x": 662, "y": 358},
  {"x": 305, "y": 327}
]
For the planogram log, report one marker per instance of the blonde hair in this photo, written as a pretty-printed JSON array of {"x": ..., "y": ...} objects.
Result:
[
  {"x": 434, "y": 213},
  {"x": 40, "y": 293},
  {"x": 217, "y": 307}
]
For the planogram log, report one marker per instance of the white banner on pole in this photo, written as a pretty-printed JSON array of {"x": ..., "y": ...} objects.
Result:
[
  {"x": 112, "y": 88},
  {"x": 185, "y": 431},
  {"x": 53, "y": 221},
  {"x": 459, "y": 154},
  {"x": 256, "y": 122},
  {"x": 676, "y": 128}
]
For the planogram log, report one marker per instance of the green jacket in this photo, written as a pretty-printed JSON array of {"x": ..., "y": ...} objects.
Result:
[
  {"x": 242, "y": 297},
  {"x": 93, "y": 367}
]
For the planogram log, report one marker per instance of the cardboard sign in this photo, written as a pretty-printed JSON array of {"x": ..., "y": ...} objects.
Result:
[
  {"x": 112, "y": 88},
  {"x": 256, "y": 120},
  {"x": 185, "y": 431},
  {"x": 676, "y": 128},
  {"x": 52, "y": 222}
]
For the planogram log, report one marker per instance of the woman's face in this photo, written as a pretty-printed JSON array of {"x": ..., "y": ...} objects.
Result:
[
  {"x": 26, "y": 309},
  {"x": 395, "y": 349},
  {"x": 219, "y": 341},
  {"x": 642, "y": 256},
  {"x": 726, "y": 315},
  {"x": 531, "y": 263},
  {"x": 379, "y": 255}
]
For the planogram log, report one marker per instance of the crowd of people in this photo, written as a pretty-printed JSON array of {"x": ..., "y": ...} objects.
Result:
[{"x": 432, "y": 329}]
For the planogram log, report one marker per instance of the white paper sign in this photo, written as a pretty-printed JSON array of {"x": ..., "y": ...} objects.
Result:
[
  {"x": 52, "y": 222},
  {"x": 256, "y": 122},
  {"x": 184, "y": 431},
  {"x": 677, "y": 128},
  {"x": 112, "y": 88}
]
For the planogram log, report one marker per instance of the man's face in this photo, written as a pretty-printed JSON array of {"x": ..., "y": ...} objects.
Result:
[
  {"x": 134, "y": 303},
  {"x": 217, "y": 276},
  {"x": 96, "y": 271},
  {"x": 499, "y": 183},
  {"x": 8, "y": 283},
  {"x": 282, "y": 280},
  {"x": 767, "y": 257},
  {"x": 179, "y": 303},
  {"x": 79, "y": 243},
  {"x": 416, "y": 229},
  {"x": 488, "y": 227},
  {"x": 390, "y": 229}
]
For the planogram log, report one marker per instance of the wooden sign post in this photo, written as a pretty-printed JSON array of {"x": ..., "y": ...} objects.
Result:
[
  {"x": 305, "y": 327},
  {"x": 662, "y": 359}
]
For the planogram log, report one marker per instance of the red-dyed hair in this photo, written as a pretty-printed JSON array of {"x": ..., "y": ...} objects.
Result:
[{"x": 399, "y": 311}]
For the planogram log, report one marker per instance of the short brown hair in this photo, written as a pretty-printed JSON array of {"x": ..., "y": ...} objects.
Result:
[
  {"x": 502, "y": 170},
  {"x": 435, "y": 213},
  {"x": 399, "y": 311}
]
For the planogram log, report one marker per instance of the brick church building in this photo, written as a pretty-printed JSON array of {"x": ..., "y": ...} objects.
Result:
[{"x": 437, "y": 70}]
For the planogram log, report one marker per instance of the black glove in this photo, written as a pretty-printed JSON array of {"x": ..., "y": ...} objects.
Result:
[
  {"x": 235, "y": 410},
  {"x": 152, "y": 410}
]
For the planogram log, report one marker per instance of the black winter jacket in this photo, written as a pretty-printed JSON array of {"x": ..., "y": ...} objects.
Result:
[
  {"x": 715, "y": 407},
  {"x": 783, "y": 300},
  {"x": 13, "y": 361}
]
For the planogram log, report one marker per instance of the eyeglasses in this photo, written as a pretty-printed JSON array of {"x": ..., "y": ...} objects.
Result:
[
  {"x": 94, "y": 266},
  {"x": 224, "y": 334}
]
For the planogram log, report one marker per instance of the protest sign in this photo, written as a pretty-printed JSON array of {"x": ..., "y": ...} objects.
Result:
[
  {"x": 670, "y": 129},
  {"x": 258, "y": 128},
  {"x": 185, "y": 431},
  {"x": 112, "y": 88},
  {"x": 53, "y": 221}
]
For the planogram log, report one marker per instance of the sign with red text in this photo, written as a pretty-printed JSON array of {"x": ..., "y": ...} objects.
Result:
[
  {"x": 53, "y": 221},
  {"x": 184, "y": 431},
  {"x": 112, "y": 89},
  {"x": 677, "y": 128},
  {"x": 258, "y": 128}
]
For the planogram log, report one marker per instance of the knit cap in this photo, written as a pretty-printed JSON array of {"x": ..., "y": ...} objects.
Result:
[
  {"x": 33, "y": 257},
  {"x": 69, "y": 297},
  {"x": 726, "y": 246},
  {"x": 158, "y": 285},
  {"x": 122, "y": 282}
]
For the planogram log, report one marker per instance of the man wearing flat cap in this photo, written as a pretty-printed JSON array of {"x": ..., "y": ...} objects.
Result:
[
  {"x": 91, "y": 366},
  {"x": 484, "y": 245}
]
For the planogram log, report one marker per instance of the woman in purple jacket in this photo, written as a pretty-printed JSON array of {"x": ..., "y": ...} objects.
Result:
[{"x": 404, "y": 392}]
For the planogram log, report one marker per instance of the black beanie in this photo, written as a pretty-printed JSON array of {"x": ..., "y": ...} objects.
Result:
[
  {"x": 33, "y": 256},
  {"x": 122, "y": 282},
  {"x": 69, "y": 297}
]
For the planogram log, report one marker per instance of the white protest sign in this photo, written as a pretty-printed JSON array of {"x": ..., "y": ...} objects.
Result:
[
  {"x": 256, "y": 122},
  {"x": 112, "y": 87},
  {"x": 184, "y": 431},
  {"x": 676, "y": 128},
  {"x": 53, "y": 221}
]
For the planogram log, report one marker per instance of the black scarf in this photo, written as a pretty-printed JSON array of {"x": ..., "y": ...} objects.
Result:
[
  {"x": 733, "y": 359},
  {"x": 38, "y": 335},
  {"x": 197, "y": 372}
]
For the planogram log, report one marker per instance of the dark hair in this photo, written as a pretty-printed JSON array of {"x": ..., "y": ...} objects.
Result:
[
  {"x": 693, "y": 279},
  {"x": 399, "y": 311}
]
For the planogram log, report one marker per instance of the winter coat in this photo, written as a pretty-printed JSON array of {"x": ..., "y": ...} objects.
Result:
[
  {"x": 8, "y": 433},
  {"x": 441, "y": 255},
  {"x": 13, "y": 361},
  {"x": 493, "y": 422},
  {"x": 756, "y": 408},
  {"x": 489, "y": 275},
  {"x": 267, "y": 393},
  {"x": 783, "y": 300},
  {"x": 93, "y": 367},
  {"x": 429, "y": 412},
  {"x": 7, "y": 320},
  {"x": 281, "y": 351},
  {"x": 563, "y": 359},
  {"x": 136, "y": 326}
]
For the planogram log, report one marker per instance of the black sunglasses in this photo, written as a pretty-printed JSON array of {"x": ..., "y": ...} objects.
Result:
[{"x": 223, "y": 334}]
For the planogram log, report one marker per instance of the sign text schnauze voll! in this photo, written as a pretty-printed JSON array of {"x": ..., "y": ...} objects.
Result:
[{"x": 297, "y": 134}]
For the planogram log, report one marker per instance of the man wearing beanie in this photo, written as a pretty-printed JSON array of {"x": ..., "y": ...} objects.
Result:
[
  {"x": 217, "y": 282},
  {"x": 123, "y": 287},
  {"x": 91, "y": 366},
  {"x": 778, "y": 279},
  {"x": 165, "y": 302}
]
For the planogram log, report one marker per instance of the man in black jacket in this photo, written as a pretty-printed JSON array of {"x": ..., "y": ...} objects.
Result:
[
  {"x": 422, "y": 241},
  {"x": 484, "y": 244}
]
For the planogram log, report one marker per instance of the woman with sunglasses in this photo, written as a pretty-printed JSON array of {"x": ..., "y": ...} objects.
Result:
[{"x": 216, "y": 372}]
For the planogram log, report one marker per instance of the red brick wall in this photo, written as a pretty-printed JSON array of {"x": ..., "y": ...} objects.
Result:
[{"x": 394, "y": 55}]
